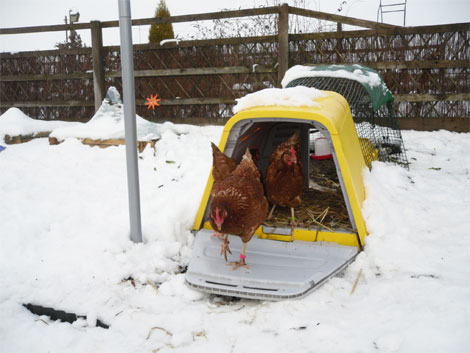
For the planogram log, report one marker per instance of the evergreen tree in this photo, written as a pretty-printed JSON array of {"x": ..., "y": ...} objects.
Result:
[{"x": 159, "y": 32}]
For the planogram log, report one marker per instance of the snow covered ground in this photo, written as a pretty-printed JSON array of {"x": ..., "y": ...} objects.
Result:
[{"x": 64, "y": 235}]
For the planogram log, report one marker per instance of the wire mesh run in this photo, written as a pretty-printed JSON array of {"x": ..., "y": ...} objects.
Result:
[{"x": 379, "y": 135}]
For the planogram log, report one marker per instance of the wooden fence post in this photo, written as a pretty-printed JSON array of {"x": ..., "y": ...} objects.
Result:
[
  {"x": 283, "y": 42},
  {"x": 98, "y": 62},
  {"x": 339, "y": 46}
]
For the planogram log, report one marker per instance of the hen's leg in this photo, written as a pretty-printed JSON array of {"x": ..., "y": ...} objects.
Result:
[
  {"x": 271, "y": 213},
  {"x": 241, "y": 262},
  {"x": 224, "y": 248},
  {"x": 293, "y": 223}
]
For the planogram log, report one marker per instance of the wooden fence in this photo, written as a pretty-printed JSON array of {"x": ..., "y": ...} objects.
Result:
[{"x": 426, "y": 68}]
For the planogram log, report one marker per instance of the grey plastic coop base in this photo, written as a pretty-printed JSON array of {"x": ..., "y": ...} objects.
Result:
[{"x": 278, "y": 270}]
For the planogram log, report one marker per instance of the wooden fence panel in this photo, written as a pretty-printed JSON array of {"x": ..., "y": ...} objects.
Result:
[
  {"x": 426, "y": 68},
  {"x": 52, "y": 84},
  {"x": 198, "y": 80}
]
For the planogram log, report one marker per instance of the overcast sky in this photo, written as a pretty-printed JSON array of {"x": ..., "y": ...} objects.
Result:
[{"x": 22, "y": 13}]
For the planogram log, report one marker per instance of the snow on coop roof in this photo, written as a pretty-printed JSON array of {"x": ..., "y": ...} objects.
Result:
[
  {"x": 294, "y": 96},
  {"x": 357, "y": 73},
  {"x": 369, "y": 78}
]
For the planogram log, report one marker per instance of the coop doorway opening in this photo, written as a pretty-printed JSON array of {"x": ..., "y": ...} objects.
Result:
[{"x": 323, "y": 208}]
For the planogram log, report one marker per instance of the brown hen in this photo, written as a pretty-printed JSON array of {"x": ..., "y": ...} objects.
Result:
[
  {"x": 285, "y": 177},
  {"x": 239, "y": 206}
]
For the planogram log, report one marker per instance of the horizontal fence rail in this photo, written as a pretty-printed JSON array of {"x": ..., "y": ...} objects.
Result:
[{"x": 426, "y": 68}]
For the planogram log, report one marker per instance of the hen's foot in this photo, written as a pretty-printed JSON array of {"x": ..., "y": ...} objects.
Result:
[
  {"x": 224, "y": 248},
  {"x": 239, "y": 263},
  {"x": 218, "y": 235}
]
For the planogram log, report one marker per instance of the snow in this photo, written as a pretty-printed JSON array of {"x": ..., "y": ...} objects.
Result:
[
  {"x": 173, "y": 40},
  {"x": 108, "y": 123},
  {"x": 14, "y": 122},
  {"x": 294, "y": 96},
  {"x": 300, "y": 71},
  {"x": 64, "y": 234}
]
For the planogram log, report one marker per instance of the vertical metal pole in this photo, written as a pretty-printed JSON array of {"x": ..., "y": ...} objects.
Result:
[
  {"x": 404, "y": 16},
  {"x": 127, "y": 67}
]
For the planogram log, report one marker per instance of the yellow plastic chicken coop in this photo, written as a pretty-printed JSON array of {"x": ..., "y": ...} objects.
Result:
[{"x": 285, "y": 263}]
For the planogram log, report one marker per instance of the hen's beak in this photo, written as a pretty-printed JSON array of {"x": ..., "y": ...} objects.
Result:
[{"x": 218, "y": 225}]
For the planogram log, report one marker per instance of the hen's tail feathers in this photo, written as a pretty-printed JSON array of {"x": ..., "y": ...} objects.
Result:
[
  {"x": 294, "y": 139},
  {"x": 216, "y": 153},
  {"x": 291, "y": 141},
  {"x": 247, "y": 168},
  {"x": 223, "y": 166}
]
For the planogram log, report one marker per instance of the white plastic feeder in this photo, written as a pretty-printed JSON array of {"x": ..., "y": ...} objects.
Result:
[{"x": 322, "y": 149}]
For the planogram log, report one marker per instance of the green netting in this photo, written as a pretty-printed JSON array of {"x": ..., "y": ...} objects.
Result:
[
  {"x": 377, "y": 129},
  {"x": 373, "y": 83}
]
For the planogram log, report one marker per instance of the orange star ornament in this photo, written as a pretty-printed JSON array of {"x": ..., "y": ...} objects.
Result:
[{"x": 152, "y": 102}]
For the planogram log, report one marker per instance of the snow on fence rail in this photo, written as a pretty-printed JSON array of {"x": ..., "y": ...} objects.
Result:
[{"x": 426, "y": 68}]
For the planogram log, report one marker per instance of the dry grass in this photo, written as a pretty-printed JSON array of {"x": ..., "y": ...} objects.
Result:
[{"x": 320, "y": 209}]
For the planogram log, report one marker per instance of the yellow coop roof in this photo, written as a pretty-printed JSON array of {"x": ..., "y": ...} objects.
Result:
[{"x": 332, "y": 111}]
